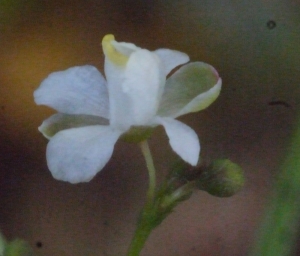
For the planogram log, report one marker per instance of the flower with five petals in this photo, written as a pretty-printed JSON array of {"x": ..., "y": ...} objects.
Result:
[{"x": 94, "y": 112}]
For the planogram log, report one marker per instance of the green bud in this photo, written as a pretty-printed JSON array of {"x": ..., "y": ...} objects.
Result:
[
  {"x": 137, "y": 134},
  {"x": 18, "y": 247},
  {"x": 222, "y": 178}
]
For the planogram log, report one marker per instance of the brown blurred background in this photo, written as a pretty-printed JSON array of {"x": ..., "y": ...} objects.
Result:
[{"x": 255, "y": 47}]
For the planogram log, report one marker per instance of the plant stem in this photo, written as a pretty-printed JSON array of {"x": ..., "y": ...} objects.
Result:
[
  {"x": 280, "y": 227},
  {"x": 151, "y": 169},
  {"x": 142, "y": 232},
  {"x": 145, "y": 223}
]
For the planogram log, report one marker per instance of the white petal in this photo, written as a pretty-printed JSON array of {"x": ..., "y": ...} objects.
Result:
[
  {"x": 171, "y": 59},
  {"x": 134, "y": 90},
  {"x": 183, "y": 139},
  {"x": 143, "y": 85},
  {"x": 119, "y": 104},
  {"x": 202, "y": 101},
  {"x": 125, "y": 48},
  {"x": 59, "y": 121},
  {"x": 77, "y": 90},
  {"x": 78, "y": 154},
  {"x": 191, "y": 88}
]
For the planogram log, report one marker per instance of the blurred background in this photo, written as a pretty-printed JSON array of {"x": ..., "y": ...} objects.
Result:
[{"x": 255, "y": 47}]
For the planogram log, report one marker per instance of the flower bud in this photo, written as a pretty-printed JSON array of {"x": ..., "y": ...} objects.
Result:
[{"x": 222, "y": 178}]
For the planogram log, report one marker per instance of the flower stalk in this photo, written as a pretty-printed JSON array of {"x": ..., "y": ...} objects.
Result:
[
  {"x": 151, "y": 169},
  {"x": 144, "y": 228},
  {"x": 145, "y": 224}
]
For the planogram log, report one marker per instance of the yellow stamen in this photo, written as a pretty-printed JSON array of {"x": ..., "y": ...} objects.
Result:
[{"x": 111, "y": 53}]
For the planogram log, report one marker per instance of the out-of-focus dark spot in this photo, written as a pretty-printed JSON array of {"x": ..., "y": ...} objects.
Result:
[
  {"x": 271, "y": 24},
  {"x": 2, "y": 107},
  {"x": 39, "y": 244},
  {"x": 280, "y": 103}
]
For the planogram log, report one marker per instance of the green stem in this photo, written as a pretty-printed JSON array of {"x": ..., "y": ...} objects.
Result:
[
  {"x": 151, "y": 169},
  {"x": 180, "y": 194},
  {"x": 280, "y": 227},
  {"x": 145, "y": 224},
  {"x": 142, "y": 232}
]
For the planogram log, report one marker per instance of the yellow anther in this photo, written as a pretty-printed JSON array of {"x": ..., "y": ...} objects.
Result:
[{"x": 111, "y": 53}]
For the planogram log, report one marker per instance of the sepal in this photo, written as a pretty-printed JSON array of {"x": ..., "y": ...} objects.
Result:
[{"x": 137, "y": 134}]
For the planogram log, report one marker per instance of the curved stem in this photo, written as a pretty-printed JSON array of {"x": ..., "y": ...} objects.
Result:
[
  {"x": 141, "y": 234},
  {"x": 151, "y": 169},
  {"x": 145, "y": 224}
]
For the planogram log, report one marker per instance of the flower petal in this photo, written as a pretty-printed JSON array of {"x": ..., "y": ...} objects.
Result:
[
  {"x": 77, "y": 90},
  {"x": 59, "y": 121},
  {"x": 125, "y": 48},
  {"x": 143, "y": 85},
  {"x": 135, "y": 89},
  {"x": 115, "y": 63},
  {"x": 119, "y": 104},
  {"x": 192, "y": 88},
  {"x": 78, "y": 154},
  {"x": 183, "y": 139},
  {"x": 171, "y": 59}
]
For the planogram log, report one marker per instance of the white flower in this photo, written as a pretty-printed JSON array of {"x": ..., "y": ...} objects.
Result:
[{"x": 135, "y": 96}]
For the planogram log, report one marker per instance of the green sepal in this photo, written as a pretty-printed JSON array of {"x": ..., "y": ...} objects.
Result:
[{"x": 137, "y": 134}]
